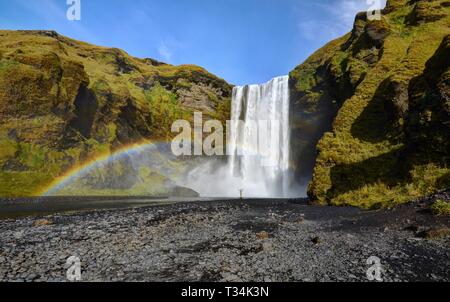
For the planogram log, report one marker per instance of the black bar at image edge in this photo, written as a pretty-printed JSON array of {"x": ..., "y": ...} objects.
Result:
[{"x": 212, "y": 291}]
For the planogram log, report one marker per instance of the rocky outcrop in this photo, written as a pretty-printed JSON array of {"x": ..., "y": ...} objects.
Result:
[
  {"x": 376, "y": 101},
  {"x": 427, "y": 11},
  {"x": 63, "y": 102},
  {"x": 429, "y": 101}
]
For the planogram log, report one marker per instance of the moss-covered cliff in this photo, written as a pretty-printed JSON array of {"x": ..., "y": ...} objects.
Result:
[
  {"x": 63, "y": 102},
  {"x": 370, "y": 111},
  {"x": 382, "y": 95}
]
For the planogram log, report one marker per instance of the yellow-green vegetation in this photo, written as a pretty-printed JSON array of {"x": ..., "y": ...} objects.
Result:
[
  {"x": 441, "y": 208},
  {"x": 383, "y": 90},
  {"x": 64, "y": 102},
  {"x": 167, "y": 109},
  {"x": 123, "y": 175},
  {"x": 97, "y": 183}
]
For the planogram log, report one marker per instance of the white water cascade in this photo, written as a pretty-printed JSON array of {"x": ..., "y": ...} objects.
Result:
[
  {"x": 258, "y": 148},
  {"x": 254, "y": 104}
]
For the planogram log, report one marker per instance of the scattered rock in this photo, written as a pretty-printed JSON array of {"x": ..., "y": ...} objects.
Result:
[
  {"x": 300, "y": 220},
  {"x": 435, "y": 233},
  {"x": 316, "y": 240},
  {"x": 267, "y": 247},
  {"x": 262, "y": 235},
  {"x": 42, "y": 222},
  {"x": 198, "y": 242},
  {"x": 412, "y": 228}
]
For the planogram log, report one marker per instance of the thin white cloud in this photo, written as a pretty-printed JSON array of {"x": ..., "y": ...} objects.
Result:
[
  {"x": 337, "y": 18},
  {"x": 345, "y": 10},
  {"x": 55, "y": 16},
  {"x": 140, "y": 16},
  {"x": 164, "y": 51},
  {"x": 168, "y": 48}
]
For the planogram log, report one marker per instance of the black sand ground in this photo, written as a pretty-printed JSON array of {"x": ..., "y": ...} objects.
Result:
[{"x": 252, "y": 240}]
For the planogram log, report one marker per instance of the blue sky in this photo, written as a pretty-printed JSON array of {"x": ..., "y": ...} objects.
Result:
[{"x": 242, "y": 41}]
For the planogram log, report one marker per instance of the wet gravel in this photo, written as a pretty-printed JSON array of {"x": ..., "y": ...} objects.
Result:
[{"x": 257, "y": 240}]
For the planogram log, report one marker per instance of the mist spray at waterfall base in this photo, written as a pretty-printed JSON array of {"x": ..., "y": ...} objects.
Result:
[
  {"x": 246, "y": 167},
  {"x": 257, "y": 163}
]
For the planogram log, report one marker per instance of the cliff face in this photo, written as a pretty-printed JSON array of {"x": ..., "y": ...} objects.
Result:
[
  {"x": 381, "y": 94},
  {"x": 63, "y": 102},
  {"x": 370, "y": 111}
]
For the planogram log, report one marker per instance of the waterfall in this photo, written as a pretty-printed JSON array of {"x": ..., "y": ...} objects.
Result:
[
  {"x": 263, "y": 134},
  {"x": 258, "y": 147}
]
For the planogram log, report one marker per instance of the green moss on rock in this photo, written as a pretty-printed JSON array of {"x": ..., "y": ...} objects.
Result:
[
  {"x": 64, "y": 102},
  {"x": 384, "y": 87}
]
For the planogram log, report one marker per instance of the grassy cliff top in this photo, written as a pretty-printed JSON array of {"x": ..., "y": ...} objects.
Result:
[
  {"x": 64, "y": 102},
  {"x": 386, "y": 85}
]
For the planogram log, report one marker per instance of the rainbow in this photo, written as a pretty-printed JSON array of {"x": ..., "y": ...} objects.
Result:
[{"x": 79, "y": 170}]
